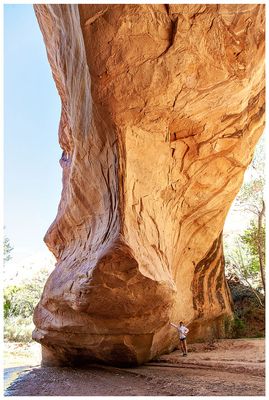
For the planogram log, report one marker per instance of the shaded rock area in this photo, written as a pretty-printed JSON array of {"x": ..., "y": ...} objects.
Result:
[
  {"x": 162, "y": 106},
  {"x": 249, "y": 312}
]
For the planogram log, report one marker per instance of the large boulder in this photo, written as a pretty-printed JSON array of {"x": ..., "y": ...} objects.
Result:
[
  {"x": 249, "y": 310},
  {"x": 162, "y": 106}
]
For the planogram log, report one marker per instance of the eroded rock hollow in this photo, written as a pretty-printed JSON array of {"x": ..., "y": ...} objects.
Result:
[{"x": 162, "y": 106}]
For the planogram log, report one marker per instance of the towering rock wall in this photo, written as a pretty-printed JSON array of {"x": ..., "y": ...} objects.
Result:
[{"x": 162, "y": 106}]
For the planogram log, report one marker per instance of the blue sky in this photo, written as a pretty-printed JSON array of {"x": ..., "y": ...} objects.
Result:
[{"x": 32, "y": 180}]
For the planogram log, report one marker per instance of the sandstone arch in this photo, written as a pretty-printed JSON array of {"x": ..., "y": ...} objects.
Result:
[{"x": 162, "y": 106}]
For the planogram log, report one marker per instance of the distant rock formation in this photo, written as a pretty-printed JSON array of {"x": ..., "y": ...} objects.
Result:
[{"x": 162, "y": 106}]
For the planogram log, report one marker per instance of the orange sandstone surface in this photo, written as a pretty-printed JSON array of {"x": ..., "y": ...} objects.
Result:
[{"x": 162, "y": 106}]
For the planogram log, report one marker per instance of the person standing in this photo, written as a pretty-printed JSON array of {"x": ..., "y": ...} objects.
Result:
[{"x": 183, "y": 331}]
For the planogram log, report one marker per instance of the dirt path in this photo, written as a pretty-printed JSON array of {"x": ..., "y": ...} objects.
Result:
[{"x": 221, "y": 369}]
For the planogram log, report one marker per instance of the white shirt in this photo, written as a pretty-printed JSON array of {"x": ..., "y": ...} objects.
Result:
[{"x": 182, "y": 330}]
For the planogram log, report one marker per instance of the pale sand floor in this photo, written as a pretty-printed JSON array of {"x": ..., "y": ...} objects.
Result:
[{"x": 229, "y": 367}]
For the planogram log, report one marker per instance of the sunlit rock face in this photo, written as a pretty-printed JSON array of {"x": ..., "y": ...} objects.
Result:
[{"x": 162, "y": 106}]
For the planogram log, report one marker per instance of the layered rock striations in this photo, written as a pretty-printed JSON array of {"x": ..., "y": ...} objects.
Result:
[{"x": 162, "y": 106}]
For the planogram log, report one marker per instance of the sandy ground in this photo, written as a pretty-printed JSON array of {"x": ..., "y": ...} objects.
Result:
[{"x": 224, "y": 368}]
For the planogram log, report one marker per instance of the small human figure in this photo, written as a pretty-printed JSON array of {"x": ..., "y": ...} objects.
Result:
[{"x": 183, "y": 331}]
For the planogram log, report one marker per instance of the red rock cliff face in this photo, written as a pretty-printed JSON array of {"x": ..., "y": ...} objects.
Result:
[{"x": 162, "y": 106}]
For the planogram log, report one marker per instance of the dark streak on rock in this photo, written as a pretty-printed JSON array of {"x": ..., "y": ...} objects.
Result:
[
  {"x": 199, "y": 275},
  {"x": 219, "y": 284},
  {"x": 210, "y": 281}
]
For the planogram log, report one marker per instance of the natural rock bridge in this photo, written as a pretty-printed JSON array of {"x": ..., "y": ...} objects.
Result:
[{"x": 162, "y": 106}]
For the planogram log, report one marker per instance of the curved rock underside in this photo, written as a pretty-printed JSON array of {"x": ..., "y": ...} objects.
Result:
[{"x": 162, "y": 106}]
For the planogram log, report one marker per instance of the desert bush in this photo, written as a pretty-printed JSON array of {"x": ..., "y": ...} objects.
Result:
[
  {"x": 18, "y": 329},
  {"x": 19, "y": 304},
  {"x": 20, "y": 301},
  {"x": 238, "y": 327}
]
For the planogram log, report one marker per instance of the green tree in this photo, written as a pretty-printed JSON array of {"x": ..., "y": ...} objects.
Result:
[
  {"x": 20, "y": 300},
  {"x": 19, "y": 303},
  {"x": 251, "y": 200},
  {"x": 240, "y": 262},
  {"x": 254, "y": 239}
]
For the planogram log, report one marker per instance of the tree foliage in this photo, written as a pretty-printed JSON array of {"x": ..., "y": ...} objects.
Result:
[
  {"x": 21, "y": 300},
  {"x": 240, "y": 262},
  {"x": 252, "y": 240},
  {"x": 247, "y": 257},
  {"x": 19, "y": 304}
]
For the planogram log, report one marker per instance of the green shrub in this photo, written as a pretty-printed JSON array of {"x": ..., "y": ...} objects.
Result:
[
  {"x": 19, "y": 304},
  {"x": 20, "y": 300},
  {"x": 9, "y": 294},
  {"x": 18, "y": 329},
  {"x": 238, "y": 327}
]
